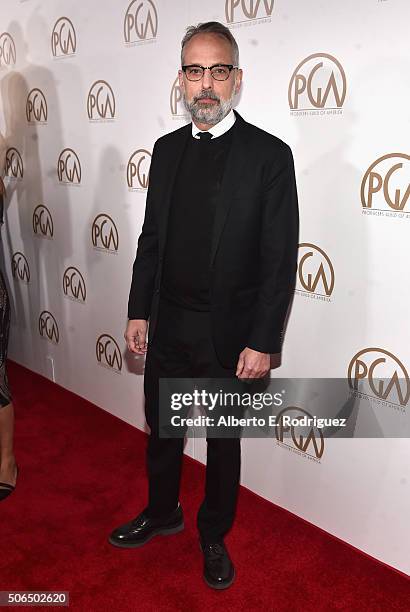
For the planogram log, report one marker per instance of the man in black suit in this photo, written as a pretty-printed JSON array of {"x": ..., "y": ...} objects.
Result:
[{"x": 213, "y": 274}]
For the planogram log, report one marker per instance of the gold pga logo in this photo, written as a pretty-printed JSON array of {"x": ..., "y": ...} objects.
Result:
[
  {"x": 318, "y": 82},
  {"x": 69, "y": 167},
  {"x": 138, "y": 170},
  {"x": 140, "y": 21},
  {"x": 104, "y": 233},
  {"x": 315, "y": 271},
  {"x": 63, "y": 38},
  {"x": 74, "y": 284},
  {"x": 20, "y": 268},
  {"x": 47, "y": 327},
  {"x": 176, "y": 103},
  {"x": 108, "y": 352},
  {"x": 306, "y": 438},
  {"x": 100, "y": 101},
  {"x": 238, "y": 10},
  {"x": 13, "y": 167},
  {"x": 36, "y": 107},
  {"x": 43, "y": 222},
  {"x": 7, "y": 50},
  {"x": 378, "y": 373},
  {"x": 385, "y": 185}
]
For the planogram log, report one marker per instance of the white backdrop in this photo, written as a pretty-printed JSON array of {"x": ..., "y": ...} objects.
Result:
[{"x": 85, "y": 90}]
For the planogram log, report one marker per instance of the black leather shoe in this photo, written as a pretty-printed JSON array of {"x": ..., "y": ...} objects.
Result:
[
  {"x": 143, "y": 528},
  {"x": 219, "y": 572}
]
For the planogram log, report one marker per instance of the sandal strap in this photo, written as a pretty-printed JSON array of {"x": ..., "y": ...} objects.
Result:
[{"x": 6, "y": 485}]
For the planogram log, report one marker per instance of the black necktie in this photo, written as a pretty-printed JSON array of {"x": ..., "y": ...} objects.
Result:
[{"x": 205, "y": 136}]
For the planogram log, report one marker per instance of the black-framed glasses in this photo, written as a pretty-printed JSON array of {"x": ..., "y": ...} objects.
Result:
[{"x": 220, "y": 72}]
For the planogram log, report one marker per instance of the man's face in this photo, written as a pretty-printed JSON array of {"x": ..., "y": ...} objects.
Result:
[{"x": 209, "y": 100}]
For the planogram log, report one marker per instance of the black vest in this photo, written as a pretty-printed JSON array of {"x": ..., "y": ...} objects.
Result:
[{"x": 185, "y": 276}]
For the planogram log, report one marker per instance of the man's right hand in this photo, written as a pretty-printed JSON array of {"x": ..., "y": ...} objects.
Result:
[{"x": 135, "y": 336}]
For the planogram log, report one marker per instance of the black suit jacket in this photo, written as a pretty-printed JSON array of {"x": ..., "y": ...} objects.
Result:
[{"x": 254, "y": 243}]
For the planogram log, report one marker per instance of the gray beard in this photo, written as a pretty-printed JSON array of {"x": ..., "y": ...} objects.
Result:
[{"x": 210, "y": 114}]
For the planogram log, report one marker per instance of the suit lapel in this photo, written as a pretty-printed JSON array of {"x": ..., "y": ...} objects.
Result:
[
  {"x": 173, "y": 160},
  {"x": 233, "y": 170}
]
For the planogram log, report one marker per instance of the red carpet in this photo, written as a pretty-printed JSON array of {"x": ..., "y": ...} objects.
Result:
[{"x": 82, "y": 474}]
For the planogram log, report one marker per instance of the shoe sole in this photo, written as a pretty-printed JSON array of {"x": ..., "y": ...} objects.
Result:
[
  {"x": 218, "y": 587},
  {"x": 164, "y": 531}
]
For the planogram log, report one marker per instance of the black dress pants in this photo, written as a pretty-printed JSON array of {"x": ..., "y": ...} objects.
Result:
[{"x": 183, "y": 348}]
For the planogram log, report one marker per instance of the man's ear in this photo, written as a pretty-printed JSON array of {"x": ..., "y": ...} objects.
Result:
[{"x": 238, "y": 83}]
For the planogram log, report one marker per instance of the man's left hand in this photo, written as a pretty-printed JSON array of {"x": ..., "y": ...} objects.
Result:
[{"x": 252, "y": 364}]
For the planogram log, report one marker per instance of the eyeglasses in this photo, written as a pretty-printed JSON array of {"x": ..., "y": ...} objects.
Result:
[{"x": 220, "y": 72}]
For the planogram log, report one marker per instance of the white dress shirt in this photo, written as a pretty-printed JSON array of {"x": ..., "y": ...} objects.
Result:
[{"x": 219, "y": 128}]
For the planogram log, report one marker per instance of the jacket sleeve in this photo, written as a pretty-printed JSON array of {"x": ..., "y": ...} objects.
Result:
[
  {"x": 146, "y": 260},
  {"x": 278, "y": 253}
]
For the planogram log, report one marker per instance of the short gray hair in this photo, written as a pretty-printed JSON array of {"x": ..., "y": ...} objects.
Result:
[{"x": 211, "y": 27}]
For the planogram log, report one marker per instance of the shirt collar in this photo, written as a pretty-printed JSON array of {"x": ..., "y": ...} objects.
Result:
[{"x": 219, "y": 128}]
